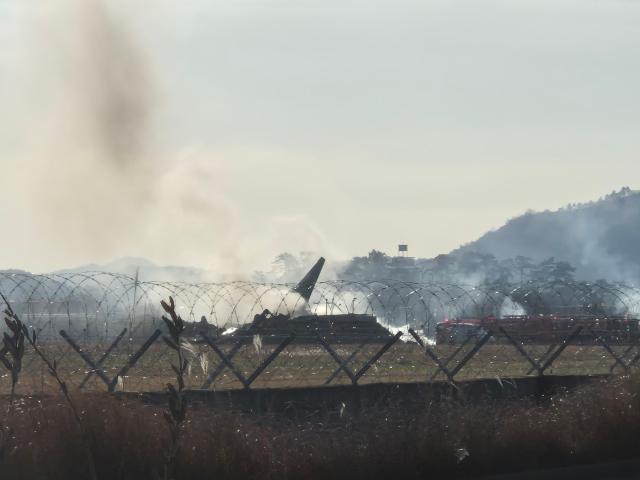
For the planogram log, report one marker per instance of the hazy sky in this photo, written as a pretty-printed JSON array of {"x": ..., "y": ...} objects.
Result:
[{"x": 335, "y": 126}]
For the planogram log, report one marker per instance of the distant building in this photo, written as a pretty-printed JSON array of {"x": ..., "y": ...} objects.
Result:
[{"x": 403, "y": 267}]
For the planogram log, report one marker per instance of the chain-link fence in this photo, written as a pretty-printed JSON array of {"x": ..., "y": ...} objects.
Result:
[
  {"x": 105, "y": 333},
  {"x": 268, "y": 361}
]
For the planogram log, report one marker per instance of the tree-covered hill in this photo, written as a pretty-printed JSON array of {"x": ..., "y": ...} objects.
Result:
[{"x": 600, "y": 239}]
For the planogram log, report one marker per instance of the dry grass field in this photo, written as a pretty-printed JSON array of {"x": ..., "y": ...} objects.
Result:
[
  {"x": 303, "y": 365},
  {"x": 444, "y": 439}
]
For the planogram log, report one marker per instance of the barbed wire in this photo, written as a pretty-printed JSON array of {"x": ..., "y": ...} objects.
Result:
[
  {"x": 100, "y": 304},
  {"x": 109, "y": 319}
]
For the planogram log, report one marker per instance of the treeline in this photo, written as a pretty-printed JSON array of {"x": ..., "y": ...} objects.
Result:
[
  {"x": 468, "y": 267},
  {"x": 598, "y": 238},
  {"x": 586, "y": 241},
  {"x": 471, "y": 268}
]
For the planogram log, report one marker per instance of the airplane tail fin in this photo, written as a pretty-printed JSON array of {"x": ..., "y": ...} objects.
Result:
[{"x": 307, "y": 284}]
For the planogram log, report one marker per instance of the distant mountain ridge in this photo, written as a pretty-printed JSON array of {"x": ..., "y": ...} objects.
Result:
[
  {"x": 147, "y": 270},
  {"x": 601, "y": 239}
]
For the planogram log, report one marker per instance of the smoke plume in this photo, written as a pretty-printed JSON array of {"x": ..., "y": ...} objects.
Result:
[
  {"x": 87, "y": 178},
  {"x": 85, "y": 103}
]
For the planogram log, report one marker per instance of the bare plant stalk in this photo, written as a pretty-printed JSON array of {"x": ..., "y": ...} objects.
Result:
[
  {"x": 11, "y": 355},
  {"x": 13, "y": 345},
  {"x": 176, "y": 413},
  {"x": 53, "y": 371}
]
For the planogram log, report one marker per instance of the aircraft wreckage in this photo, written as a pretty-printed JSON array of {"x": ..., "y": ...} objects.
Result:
[{"x": 307, "y": 326}]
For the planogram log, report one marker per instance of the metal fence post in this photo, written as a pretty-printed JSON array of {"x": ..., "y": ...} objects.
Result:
[
  {"x": 133, "y": 359},
  {"x": 441, "y": 367},
  {"x": 535, "y": 365},
  {"x": 87, "y": 358},
  {"x": 342, "y": 364},
  {"x": 560, "y": 349},
  {"x": 213, "y": 375},
  {"x": 104, "y": 356}
]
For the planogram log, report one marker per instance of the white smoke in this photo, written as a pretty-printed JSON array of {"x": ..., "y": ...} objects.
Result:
[{"x": 510, "y": 307}]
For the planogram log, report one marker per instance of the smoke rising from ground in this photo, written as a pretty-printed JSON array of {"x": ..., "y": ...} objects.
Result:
[
  {"x": 599, "y": 239},
  {"x": 81, "y": 165},
  {"x": 88, "y": 180}
]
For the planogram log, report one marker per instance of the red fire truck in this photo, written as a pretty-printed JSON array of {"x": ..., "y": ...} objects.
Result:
[{"x": 541, "y": 328}]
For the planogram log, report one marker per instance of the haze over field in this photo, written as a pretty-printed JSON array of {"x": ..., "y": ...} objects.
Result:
[{"x": 217, "y": 134}]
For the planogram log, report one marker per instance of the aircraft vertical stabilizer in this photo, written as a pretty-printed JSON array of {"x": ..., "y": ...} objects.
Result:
[{"x": 308, "y": 283}]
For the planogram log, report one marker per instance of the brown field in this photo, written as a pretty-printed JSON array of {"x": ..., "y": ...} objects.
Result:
[
  {"x": 444, "y": 439},
  {"x": 304, "y": 365}
]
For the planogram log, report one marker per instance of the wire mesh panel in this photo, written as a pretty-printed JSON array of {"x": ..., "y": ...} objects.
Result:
[{"x": 104, "y": 331}]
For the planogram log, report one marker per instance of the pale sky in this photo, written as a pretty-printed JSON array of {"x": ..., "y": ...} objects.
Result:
[{"x": 335, "y": 126}]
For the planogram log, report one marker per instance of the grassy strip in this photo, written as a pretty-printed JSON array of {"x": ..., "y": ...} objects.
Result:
[{"x": 297, "y": 366}]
